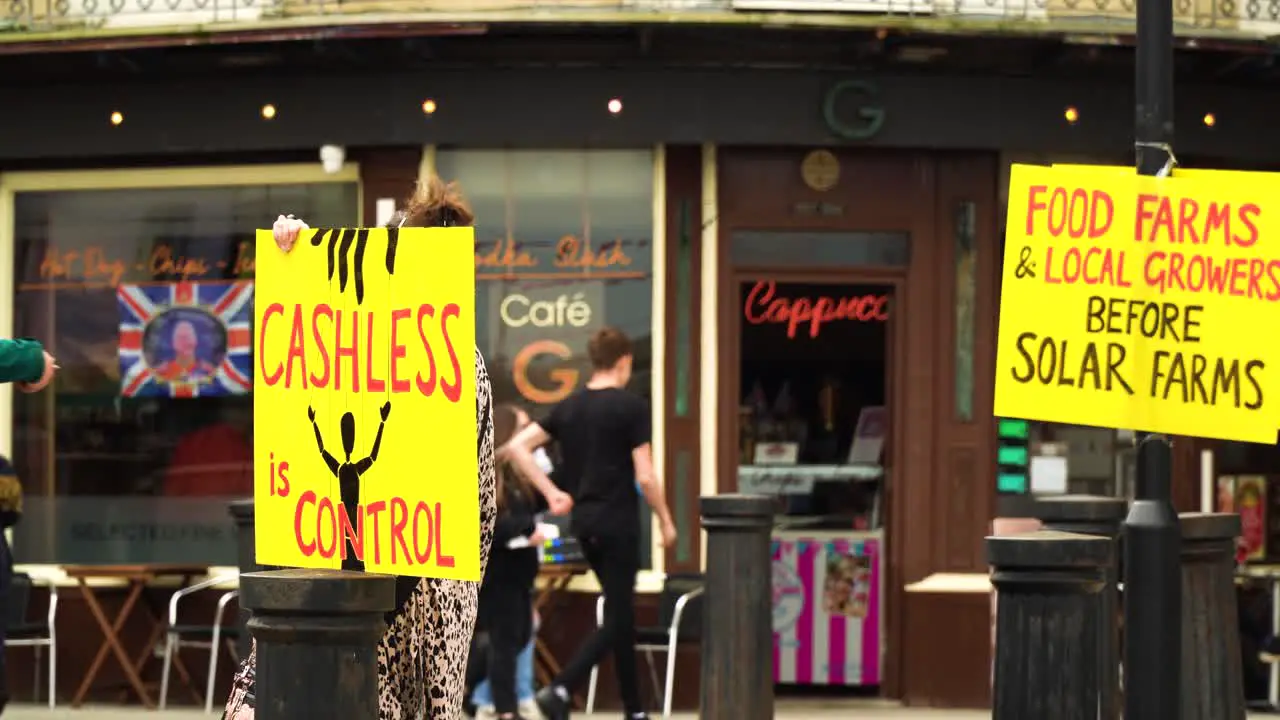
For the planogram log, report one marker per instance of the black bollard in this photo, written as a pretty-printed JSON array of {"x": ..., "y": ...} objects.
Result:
[
  {"x": 1047, "y": 624},
  {"x": 1104, "y": 517},
  {"x": 242, "y": 513},
  {"x": 737, "y": 671},
  {"x": 318, "y": 633},
  {"x": 1212, "y": 672}
]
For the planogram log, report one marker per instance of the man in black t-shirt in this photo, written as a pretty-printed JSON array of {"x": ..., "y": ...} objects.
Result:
[{"x": 604, "y": 435}]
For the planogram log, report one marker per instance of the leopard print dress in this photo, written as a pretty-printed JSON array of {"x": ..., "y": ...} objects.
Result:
[{"x": 422, "y": 660}]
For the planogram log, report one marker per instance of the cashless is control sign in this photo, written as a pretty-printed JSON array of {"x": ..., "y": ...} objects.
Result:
[
  {"x": 1143, "y": 303},
  {"x": 365, "y": 402}
]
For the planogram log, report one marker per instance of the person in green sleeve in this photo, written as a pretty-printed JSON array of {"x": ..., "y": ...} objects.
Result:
[
  {"x": 24, "y": 361},
  {"x": 10, "y": 513}
]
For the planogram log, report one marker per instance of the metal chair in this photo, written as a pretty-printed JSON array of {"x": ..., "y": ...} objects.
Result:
[
  {"x": 200, "y": 636},
  {"x": 21, "y": 631},
  {"x": 680, "y": 618}
]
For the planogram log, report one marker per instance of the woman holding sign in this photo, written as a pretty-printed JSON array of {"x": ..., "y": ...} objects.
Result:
[{"x": 423, "y": 654}]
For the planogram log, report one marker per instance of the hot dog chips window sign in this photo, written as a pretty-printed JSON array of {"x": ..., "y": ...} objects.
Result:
[
  {"x": 365, "y": 402},
  {"x": 1143, "y": 303}
]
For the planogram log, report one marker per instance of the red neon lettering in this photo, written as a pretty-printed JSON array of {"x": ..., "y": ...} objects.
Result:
[{"x": 763, "y": 308}]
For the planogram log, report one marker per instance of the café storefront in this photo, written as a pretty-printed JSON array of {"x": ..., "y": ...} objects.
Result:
[
  {"x": 120, "y": 469},
  {"x": 708, "y": 234},
  {"x": 567, "y": 241}
]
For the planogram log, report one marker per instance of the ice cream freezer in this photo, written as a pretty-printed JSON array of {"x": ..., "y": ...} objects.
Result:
[{"x": 827, "y": 607}]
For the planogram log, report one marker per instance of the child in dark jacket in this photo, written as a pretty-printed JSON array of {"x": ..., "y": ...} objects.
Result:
[{"x": 504, "y": 623}]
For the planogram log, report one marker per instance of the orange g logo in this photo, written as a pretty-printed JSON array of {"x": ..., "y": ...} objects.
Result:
[{"x": 565, "y": 378}]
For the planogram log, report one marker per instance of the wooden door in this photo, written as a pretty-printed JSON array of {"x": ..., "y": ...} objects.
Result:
[{"x": 941, "y": 449}]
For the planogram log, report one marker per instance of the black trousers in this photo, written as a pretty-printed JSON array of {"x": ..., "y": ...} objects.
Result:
[
  {"x": 615, "y": 561},
  {"x": 6, "y": 584}
]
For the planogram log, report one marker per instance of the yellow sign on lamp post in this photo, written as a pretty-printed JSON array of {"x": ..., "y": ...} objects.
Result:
[{"x": 1138, "y": 302}]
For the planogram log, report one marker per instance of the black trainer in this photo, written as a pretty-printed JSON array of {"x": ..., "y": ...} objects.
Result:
[
  {"x": 1270, "y": 652},
  {"x": 551, "y": 705}
]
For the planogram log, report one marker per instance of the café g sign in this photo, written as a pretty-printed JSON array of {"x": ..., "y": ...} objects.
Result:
[
  {"x": 546, "y": 329},
  {"x": 520, "y": 310}
]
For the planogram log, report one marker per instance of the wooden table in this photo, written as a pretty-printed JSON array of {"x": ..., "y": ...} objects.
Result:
[
  {"x": 136, "y": 579},
  {"x": 555, "y": 580}
]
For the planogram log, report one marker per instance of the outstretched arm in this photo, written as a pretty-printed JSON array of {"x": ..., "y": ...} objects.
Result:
[
  {"x": 328, "y": 459},
  {"x": 519, "y": 451},
  {"x": 367, "y": 463},
  {"x": 22, "y": 360}
]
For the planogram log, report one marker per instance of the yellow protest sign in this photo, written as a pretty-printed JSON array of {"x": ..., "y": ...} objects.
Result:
[
  {"x": 365, "y": 402},
  {"x": 1137, "y": 302},
  {"x": 1178, "y": 172}
]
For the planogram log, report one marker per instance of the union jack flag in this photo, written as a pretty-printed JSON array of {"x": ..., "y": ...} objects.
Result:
[{"x": 211, "y": 311}]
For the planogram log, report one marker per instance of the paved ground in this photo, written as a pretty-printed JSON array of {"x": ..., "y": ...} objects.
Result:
[
  {"x": 824, "y": 710},
  {"x": 787, "y": 710}
]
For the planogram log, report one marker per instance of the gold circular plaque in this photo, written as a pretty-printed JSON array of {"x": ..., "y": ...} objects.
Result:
[{"x": 820, "y": 170}]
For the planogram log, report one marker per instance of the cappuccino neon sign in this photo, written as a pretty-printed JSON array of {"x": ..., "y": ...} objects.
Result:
[{"x": 764, "y": 307}]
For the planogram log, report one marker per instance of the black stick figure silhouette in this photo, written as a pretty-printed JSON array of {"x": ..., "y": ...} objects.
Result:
[{"x": 347, "y": 472}]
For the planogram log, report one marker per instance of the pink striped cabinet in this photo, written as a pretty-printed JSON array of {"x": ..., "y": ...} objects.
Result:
[{"x": 827, "y": 601}]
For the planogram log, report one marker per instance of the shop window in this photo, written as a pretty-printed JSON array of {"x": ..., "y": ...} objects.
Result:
[
  {"x": 563, "y": 247},
  {"x": 1043, "y": 458},
  {"x": 813, "y": 411},
  {"x": 1246, "y": 480},
  {"x": 145, "y": 296}
]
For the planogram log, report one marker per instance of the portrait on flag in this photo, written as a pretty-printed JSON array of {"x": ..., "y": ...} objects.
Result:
[{"x": 185, "y": 339}]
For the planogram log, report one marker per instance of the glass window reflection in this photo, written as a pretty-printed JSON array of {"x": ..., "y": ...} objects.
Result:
[
  {"x": 110, "y": 476},
  {"x": 563, "y": 248}
]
